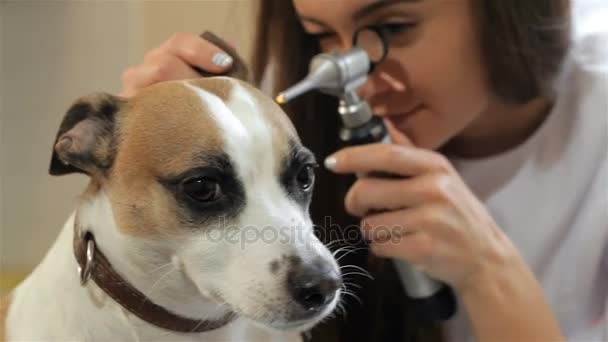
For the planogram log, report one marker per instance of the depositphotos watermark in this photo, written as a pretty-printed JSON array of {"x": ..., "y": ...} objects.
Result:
[{"x": 227, "y": 231}]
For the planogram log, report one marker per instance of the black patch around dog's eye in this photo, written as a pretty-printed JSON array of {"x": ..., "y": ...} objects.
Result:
[
  {"x": 298, "y": 174},
  {"x": 209, "y": 192}
]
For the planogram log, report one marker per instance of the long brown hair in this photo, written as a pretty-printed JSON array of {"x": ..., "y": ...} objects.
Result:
[{"x": 523, "y": 43}]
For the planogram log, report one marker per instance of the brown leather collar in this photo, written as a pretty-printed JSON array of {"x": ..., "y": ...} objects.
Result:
[{"x": 94, "y": 265}]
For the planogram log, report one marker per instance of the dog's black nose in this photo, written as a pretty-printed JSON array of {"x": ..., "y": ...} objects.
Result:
[{"x": 313, "y": 286}]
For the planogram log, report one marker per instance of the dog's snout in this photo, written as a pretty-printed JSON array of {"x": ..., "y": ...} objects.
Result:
[{"x": 313, "y": 286}]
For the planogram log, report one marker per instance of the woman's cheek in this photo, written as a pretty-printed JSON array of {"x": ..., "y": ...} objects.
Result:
[{"x": 427, "y": 129}]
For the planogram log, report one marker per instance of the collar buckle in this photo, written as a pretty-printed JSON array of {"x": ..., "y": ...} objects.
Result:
[{"x": 89, "y": 262}]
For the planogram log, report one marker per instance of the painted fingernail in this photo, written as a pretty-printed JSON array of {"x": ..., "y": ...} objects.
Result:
[
  {"x": 221, "y": 59},
  {"x": 379, "y": 110},
  {"x": 330, "y": 162}
]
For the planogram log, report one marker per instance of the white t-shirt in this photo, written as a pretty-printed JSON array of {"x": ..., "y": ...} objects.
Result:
[{"x": 550, "y": 196}]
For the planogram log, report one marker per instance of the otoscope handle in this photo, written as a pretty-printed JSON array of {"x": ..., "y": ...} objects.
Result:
[{"x": 433, "y": 300}]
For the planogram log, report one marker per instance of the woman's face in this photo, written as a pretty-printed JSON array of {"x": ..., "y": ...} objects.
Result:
[{"x": 432, "y": 84}]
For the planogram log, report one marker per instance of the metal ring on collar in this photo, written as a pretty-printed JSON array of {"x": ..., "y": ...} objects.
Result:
[{"x": 85, "y": 273}]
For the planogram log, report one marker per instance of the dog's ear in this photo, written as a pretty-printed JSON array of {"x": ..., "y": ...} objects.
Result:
[
  {"x": 238, "y": 69},
  {"x": 85, "y": 140}
]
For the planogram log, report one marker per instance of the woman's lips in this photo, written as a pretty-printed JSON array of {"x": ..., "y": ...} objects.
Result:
[{"x": 403, "y": 115}]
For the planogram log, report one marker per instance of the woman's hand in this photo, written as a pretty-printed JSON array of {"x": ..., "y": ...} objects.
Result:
[
  {"x": 439, "y": 226},
  {"x": 434, "y": 221},
  {"x": 174, "y": 60}
]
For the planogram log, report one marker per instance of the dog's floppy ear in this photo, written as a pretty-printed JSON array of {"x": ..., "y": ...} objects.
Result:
[
  {"x": 238, "y": 69},
  {"x": 85, "y": 140}
]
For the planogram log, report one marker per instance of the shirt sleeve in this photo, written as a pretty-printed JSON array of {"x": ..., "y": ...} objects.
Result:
[{"x": 597, "y": 330}]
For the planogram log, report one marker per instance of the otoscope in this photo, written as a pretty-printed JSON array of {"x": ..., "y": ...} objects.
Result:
[{"x": 340, "y": 74}]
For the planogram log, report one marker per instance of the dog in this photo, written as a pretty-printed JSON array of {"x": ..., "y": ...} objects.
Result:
[{"x": 194, "y": 226}]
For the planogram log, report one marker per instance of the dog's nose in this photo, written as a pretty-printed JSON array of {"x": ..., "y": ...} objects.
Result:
[{"x": 313, "y": 286}]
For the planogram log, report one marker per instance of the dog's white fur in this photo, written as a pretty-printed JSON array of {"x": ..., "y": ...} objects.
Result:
[{"x": 187, "y": 273}]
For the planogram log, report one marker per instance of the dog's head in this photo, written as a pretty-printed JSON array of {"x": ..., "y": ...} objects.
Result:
[{"x": 207, "y": 176}]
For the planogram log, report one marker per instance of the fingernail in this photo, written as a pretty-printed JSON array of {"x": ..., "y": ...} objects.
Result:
[
  {"x": 330, "y": 162},
  {"x": 222, "y": 59},
  {"x": 379, "y": 110}
]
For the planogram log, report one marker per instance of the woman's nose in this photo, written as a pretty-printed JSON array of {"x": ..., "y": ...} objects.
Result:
[{"x": 374, "y": 85}]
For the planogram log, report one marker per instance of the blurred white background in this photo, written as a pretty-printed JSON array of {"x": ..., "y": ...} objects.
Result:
[{"x": 52, "y": 52}]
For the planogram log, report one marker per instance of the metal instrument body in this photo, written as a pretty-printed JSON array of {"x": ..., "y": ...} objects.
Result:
[{"x": 340, "y": 74}]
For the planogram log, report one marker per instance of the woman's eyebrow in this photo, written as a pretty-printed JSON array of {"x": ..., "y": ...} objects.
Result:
[
  {"x": 363, "y": 11},
  {"x": 367, "y": 10}
]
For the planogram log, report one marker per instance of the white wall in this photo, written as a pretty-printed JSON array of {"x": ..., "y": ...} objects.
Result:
[
  {"x": 50, "y": 54},
  {"x": 231, "y": 19}
]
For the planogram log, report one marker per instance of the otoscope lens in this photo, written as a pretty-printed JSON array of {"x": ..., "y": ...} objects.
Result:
[
  {"x": 373, "y": 41},
  {"x": 369, "y": 41}
]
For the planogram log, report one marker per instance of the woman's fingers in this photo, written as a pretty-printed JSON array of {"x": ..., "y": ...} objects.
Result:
[
  {"x": 400, "y": 234},
  {"x": 196, "y": 51},
  {"x": 371, "y": 194},
  {"x": 162, "y": 68},
  {"x": 175, "y": 59},
  {"x": 388, "y": 158},
  {"x": 412, "y": 239}
]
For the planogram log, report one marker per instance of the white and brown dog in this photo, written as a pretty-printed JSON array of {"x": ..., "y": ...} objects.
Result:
[{"x": 194, "y": 226}]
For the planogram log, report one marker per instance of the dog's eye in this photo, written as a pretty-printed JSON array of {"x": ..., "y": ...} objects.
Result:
[
  {"x": 202, "y": 189},
  {"x": 306, "y": 176}
]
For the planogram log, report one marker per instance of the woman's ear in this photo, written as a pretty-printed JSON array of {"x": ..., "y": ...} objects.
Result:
[{"x": 85, "y": 141}]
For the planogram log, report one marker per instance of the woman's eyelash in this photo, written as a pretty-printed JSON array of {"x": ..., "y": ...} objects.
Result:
[
  {"x": 390, "y": 27},
  {"x": 320, "y": 35},
  {"x": 395, "y": 27}
]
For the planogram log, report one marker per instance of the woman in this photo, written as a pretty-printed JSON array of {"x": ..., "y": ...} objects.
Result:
[{"x": 497, "y": 139}]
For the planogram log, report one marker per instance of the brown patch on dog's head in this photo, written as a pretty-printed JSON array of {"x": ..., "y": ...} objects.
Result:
[
  {"x": 164, "y": 133},
  {"x": 141, "y": 149}
]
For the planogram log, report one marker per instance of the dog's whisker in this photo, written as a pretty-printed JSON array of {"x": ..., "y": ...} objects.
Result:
[
  {"x": 342, "y": 309},
  {"x": 356, "y": 268},
  {"x": 331, "y": 243},
  {"x": 337, "y": 241},
  {"x": 359, "y": 273},
  {"x": 344, "y": 304},
  {"x": 155, "y": 284},
  {"x": 348, "y": 292},
  {"x": 334, "y": 253},
  {"x": 349, "y": 252},
  {"x": 354, "y": 249},
  {"x": 156, "y": 269},
  {"x": 198, "y": 325},
  {"x": 346, "y": 284},
  {"x": 353, "y": 266},
  {"x": 354, "y": 296},
  {"x": 339, "y": 308}
]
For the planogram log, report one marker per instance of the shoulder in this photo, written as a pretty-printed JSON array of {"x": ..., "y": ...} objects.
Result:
[
  {"x": 589, "y": 38},
  {"x": 583, "y": 79}
]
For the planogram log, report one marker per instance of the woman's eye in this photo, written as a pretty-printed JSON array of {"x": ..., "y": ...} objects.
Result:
[
  {"x": 202, "y": 189},
  {"x": 320, "y": 35},
  {"x": 396, "y": 27},
  {"x": 306, "y": 177}
]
